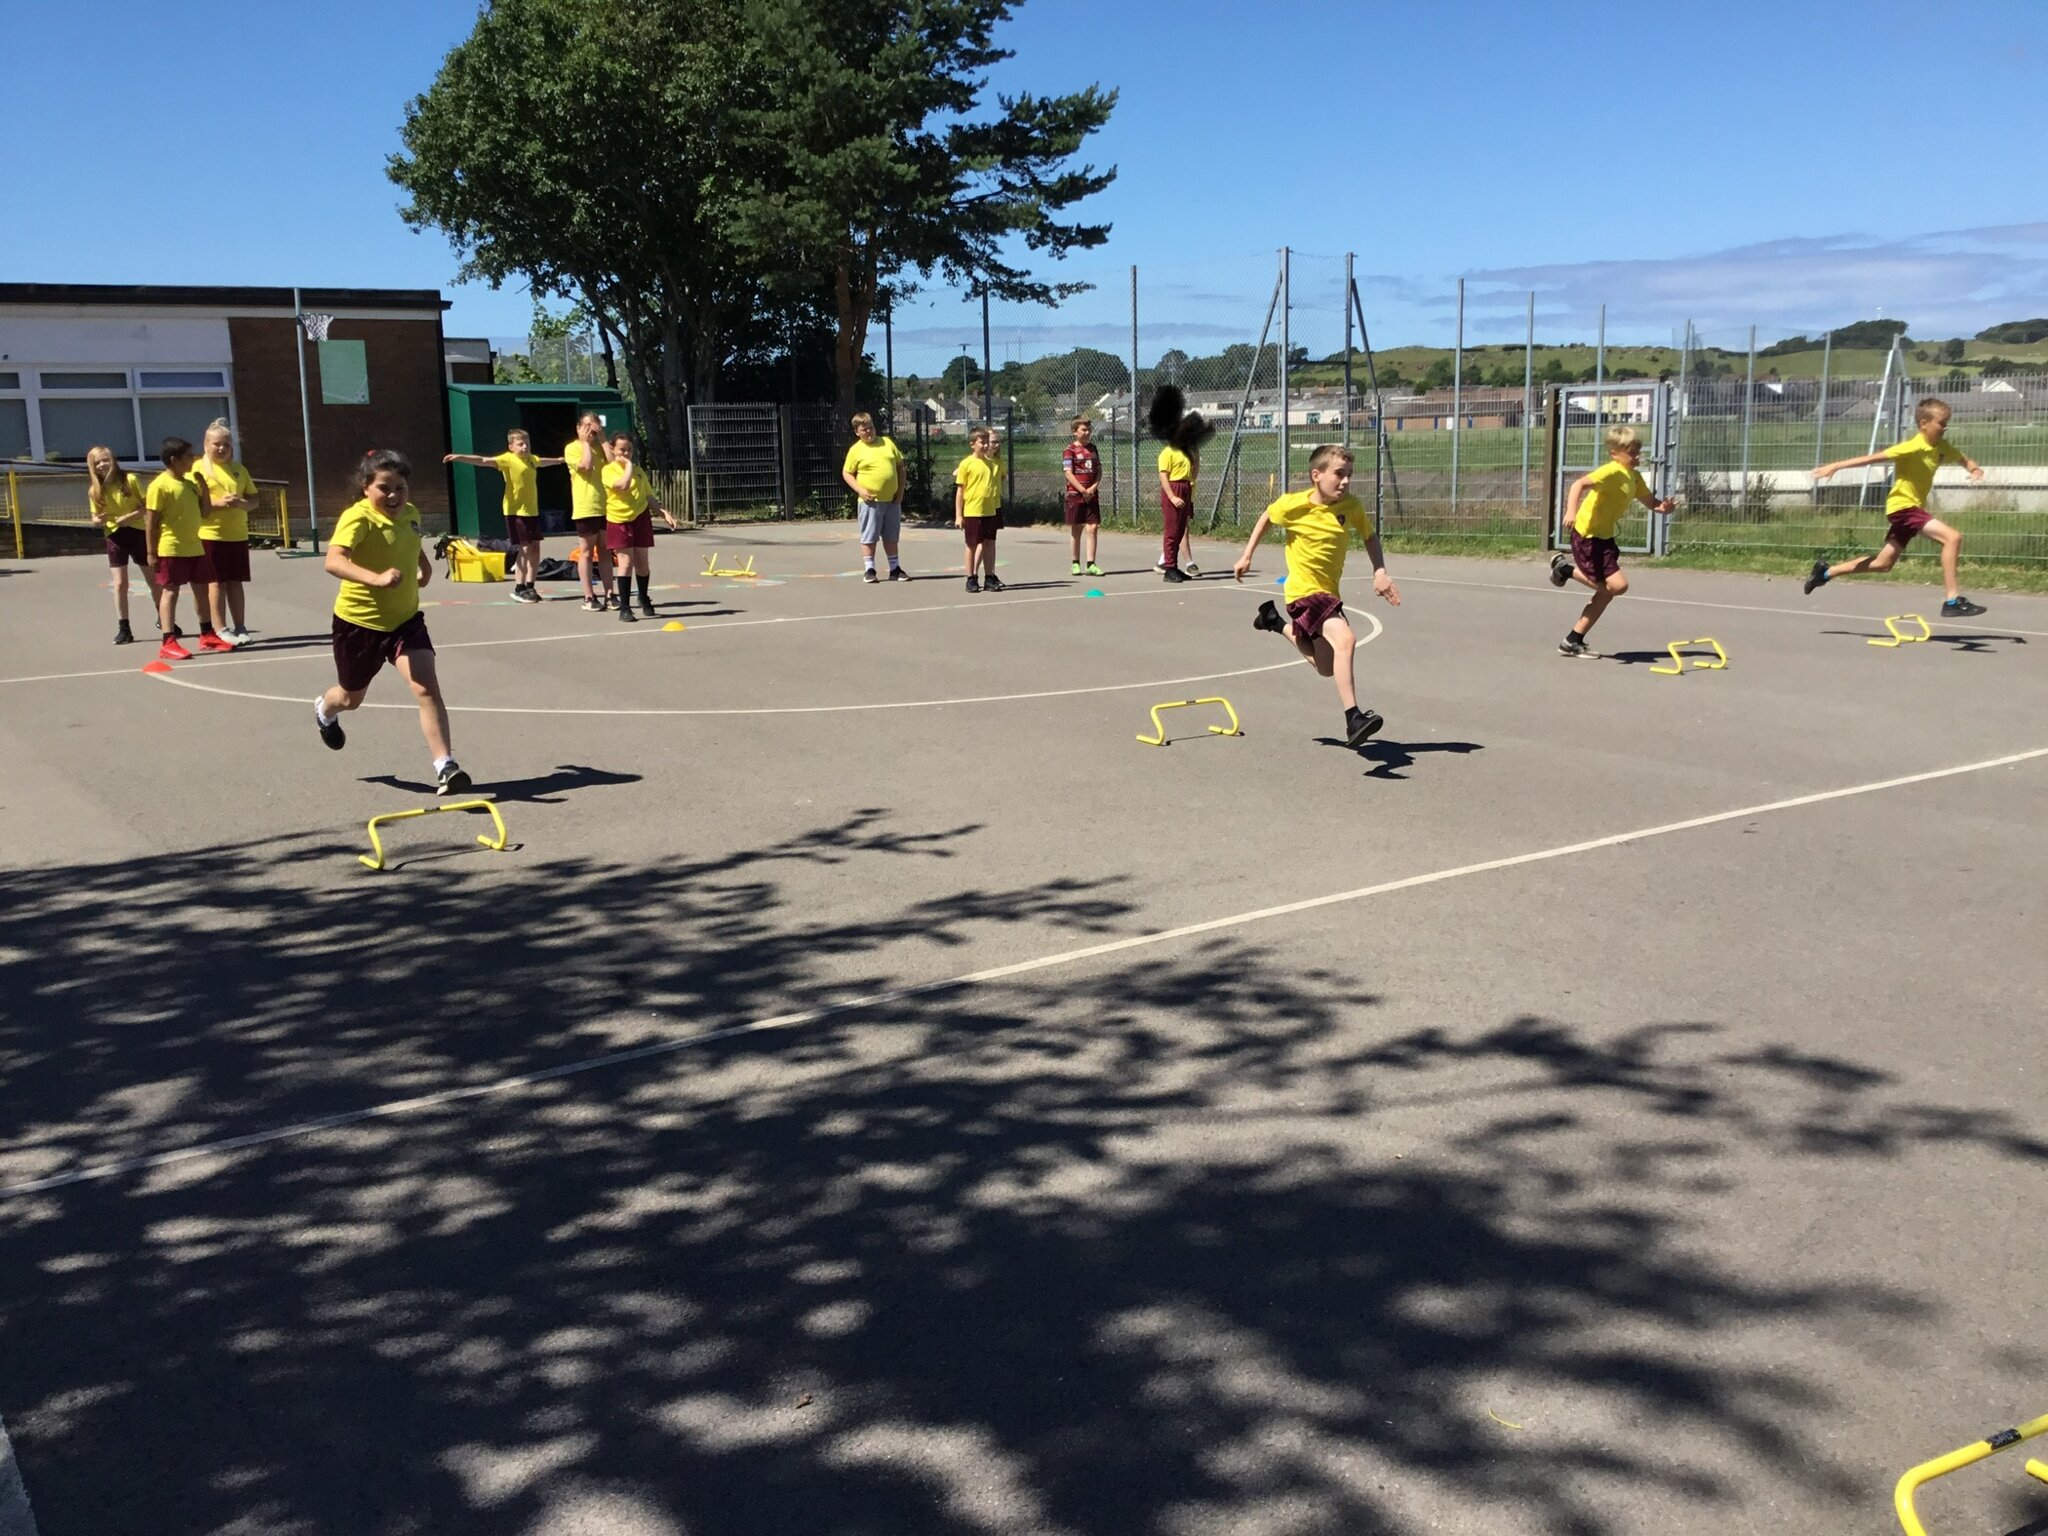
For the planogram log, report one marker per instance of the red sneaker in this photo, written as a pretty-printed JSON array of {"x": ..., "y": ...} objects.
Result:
[
  {"x": 170, "y": 650},
  {"x": 213, "y": 642}
]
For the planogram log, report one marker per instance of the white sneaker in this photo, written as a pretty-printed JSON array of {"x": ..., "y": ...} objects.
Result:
[
  {"x": 1159, "y": 564},
  {"x": 235, "y": 637},
  {"x": 1192, "y": 569}
]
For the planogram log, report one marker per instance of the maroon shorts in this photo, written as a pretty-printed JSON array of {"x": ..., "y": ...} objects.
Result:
[
  {"x": 638, "y": 534},
  {"x": 1083, "y": 509},
  {"x": 125, "y": 544},
  {"x": 361, "y": 653},
  {"x": 230, "y": 558},
  {"x": 1902, "y": 527},
  {"x": 175, "y": 571},
  {"x": 523, "y": 530},
  {"x": 981, "y": 530},
  {"x": 1309, "y": 614},
  {"x": 590, "y": 529},
  {"x": 1597, "y": 558}
]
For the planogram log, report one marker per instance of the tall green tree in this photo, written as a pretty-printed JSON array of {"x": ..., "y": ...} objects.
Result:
[{"x": 872, "y": 155}]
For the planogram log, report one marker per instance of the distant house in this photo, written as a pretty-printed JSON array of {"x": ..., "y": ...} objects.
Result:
[{"x": 1474, "y": 410}]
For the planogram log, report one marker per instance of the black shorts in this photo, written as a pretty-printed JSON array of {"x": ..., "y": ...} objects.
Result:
[{"x": 360, "y": 652}]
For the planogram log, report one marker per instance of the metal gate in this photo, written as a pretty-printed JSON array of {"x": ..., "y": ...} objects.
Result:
[
  {"x": 750, "y": 462},
  {"x": 1583, "y": 414}
]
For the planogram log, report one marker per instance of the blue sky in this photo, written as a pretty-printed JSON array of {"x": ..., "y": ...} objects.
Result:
[{"x": 1794, "y": 164}]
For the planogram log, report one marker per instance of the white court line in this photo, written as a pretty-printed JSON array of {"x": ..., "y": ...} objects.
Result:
[
  {"x": 806, "y": 1016},
  {"x": 16, "y": 1518},
  {"x": 617, "y": 631},
  {"x": 1694, "y": 602}
]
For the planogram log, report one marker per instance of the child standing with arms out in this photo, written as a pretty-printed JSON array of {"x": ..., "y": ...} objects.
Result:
[
  {"x": 1317, "y": 524},
  {"x": 521, "y": 471},
  {"x": 873, "y": 471},
  {"x": 584, "y": 457},
  {"x": 1180, "y": 461},
  {"x": 117, "y": 506},
  {"x": 1593, "y": 511},
  {"x": 629, "y": 524},
  {"x": 177, "y": 505},
  {"x": 1913, "y": 465},
  {"x": 1081, "y": 464},
  {"x": 978, "y": 507},
  {"x": 375, "y": 553},
  {"x": 224, "y": 531}
]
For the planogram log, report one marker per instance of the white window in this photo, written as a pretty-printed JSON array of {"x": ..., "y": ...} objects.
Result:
[
  {"x": 63, "y": 413},
  {"x": 70, "y": 427}
]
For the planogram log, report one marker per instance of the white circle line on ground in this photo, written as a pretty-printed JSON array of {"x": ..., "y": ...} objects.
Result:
[
  {"x": 145, "y": 1162},
  {"x": 795, "y": 709}
]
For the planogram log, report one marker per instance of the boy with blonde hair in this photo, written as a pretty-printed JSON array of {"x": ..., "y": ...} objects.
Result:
[
  {"x": 978, "y": 507},
  {"x": 1913, "y": 465},
  {"x": 1317, "y": 524},
  {"x": 1597, "y": 502},
  {"x": 521, "y": 471},
  {"x": 873, "y": 471}
]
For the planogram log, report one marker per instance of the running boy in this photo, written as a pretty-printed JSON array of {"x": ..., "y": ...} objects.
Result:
[
  {"x": 1317, "y": 524},
  {"x": 1913, "y": 465},
  {"x": 521, "y": 471},
  {"x": 1081, "y": 464},
  {"x": 116, "y": 498},
  {"x": 176, "y": 504},
  {"x": 628, "y": 524},
  {"x": 585, "y": 458},
  {"x": 1593, "y": 511},
  {"x": 978, "y": 507},
  {"x": 873, "y": 471},
  {"x": 224, "y": 531},
  {"x": 375, "y": 553}
]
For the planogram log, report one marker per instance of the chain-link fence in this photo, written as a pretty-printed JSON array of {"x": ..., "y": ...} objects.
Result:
[{"x": 750, "y": 463}]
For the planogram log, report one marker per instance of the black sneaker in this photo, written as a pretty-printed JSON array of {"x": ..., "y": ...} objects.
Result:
[
  {"x": 1360, "y": 726},
  {"x": 1173, "y": 573},
  {"x": 525, "y": 595},
  {"x": 1817, "y": 577},
  {"x": 992, "y": 583},
  {"x": 897, "y": 573},
  {"x": 974, "y": 583},
  {"x": 647, "y": 609},
  {"x": 452, "y": 781},
  {"x": 1268, "y": 617},
  {"x": 441, "y": 546},
  {"x": 330, "y": 730},
  {"x": 592, "y": 605},
  {"x": 1961, "y": 608},
  {"x": 870, "y": 576},
  {"x": 626, "y": 615},
  {"x": 1560, "y": 569},
  {"x": 124, "y": 635},
  {"x": 1571, "y": 645}
]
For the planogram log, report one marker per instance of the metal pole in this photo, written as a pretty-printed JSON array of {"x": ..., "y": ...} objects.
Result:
[
  {"x": 1684, "y": 406},
  {"x": 1348, "y": 282},
  {"x": 1820, "y": 410},
  {"x": 889, "y": 365},
  {"x": 1528, "y": 393},
  {"x": 1382, "y": 456},
  {"x": 1244, "y": 402},
  {"x": 1748, "y": 410},
  {"x": 306, "y": 417},
  {"x": 1135, "y": 502},
  {"x": 1457, "y": 393},
  {"x": 1600, "y": 385},
  {"x": 988, "y": 378},
  {"x": 1285, "y": 305}
]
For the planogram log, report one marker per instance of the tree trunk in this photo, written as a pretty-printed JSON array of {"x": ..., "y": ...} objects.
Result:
[
  {"x": 675, "y": 431},
  {"x": 853, "y": 296}
]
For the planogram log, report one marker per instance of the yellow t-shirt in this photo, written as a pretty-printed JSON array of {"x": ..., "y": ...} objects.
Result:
[
  {"x": 175, "y": 500},
  {"x": 878, "y": 466},
  {"x": 379, "y": 543},
  {"x": 1609, "y": 490},
  {"x": 626, "y": 492},
  {"x": 1176, "y": 465},
  {"x": 121, "y": 498},
  {"x": 522, "y": 481},
  {"x": 225, "y": 525},
  {"x": 1318, "y": 539},
  {"x": 1913, "y": 465},
  {"x": 586, "y": 489},
  {"x": 982, "y": 480}
]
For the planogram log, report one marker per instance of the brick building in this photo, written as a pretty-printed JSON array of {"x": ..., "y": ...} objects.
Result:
[{"x": 128, "y": 366}]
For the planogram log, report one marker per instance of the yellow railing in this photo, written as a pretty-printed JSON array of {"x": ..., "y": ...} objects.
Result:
[
  {"x": 1955, "y": 1461},
  {"x": 57, "y": 497}
]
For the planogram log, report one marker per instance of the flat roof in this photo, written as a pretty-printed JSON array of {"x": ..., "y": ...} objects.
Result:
[{"x": 131, "y": 295}]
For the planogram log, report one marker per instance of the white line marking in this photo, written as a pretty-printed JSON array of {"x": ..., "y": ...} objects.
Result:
[
  {"x": 1694, "y": 602},
  {"x": 16, "y": 1518},
  {"x": 398, "y": 1107},
  {"x": 617, "y": 631}
]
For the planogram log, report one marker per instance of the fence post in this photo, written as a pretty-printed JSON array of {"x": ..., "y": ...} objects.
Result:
[
  {"x": 1134, "y": 393},
  {"x": 785, "y": 457},
  {"x": 1457, "y": 395},
  {"x": 1347, "y": 349},
  {"x": 1114, "y": 510},
  {"x": 988, "y": 376},
  {"x": 1286, "y": 304},
  {"x": 1748, "y": 410},
  {"x": 1528, "y": 393},
  {"x": 1010, "y": 454},
  {"x": 1599, "y": 387},
  {"x": 1678, "y": 416},
  {"x": 1820, "y": 412},
  {"x": 889, "y": 367}
]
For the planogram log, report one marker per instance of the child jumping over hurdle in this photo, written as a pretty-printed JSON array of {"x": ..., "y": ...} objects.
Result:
[
  {"x": 521, "y": 471},
  {"x": 1317, "y": 524},
  {"x": 978, "y": 507},
  {"x": 1595, "y": 508},
  {"x": 375, "y": 553},
  {"x": 1913, "y": 465}
]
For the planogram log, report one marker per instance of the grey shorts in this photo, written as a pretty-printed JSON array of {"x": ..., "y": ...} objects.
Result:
[{"x": 881, "y": 522}]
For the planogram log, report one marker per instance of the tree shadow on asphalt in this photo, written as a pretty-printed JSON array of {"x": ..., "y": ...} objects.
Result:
[{"x": 1193, "y": 1244}]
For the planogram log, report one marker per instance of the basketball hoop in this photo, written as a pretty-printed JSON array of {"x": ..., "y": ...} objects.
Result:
[{"x": 316, "y": 326}]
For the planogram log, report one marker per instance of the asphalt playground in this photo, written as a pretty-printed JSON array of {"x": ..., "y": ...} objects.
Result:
[{"x": 874, "y": 1094}]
